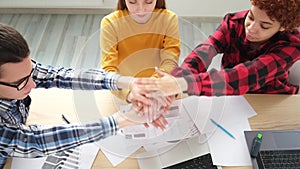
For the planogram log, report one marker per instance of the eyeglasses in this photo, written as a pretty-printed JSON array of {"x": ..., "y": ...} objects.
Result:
[{"x": 23, "y": 82}]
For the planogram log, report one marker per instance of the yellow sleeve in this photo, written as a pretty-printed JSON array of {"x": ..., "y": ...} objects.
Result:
[
  {"x": 108, "y": 43},
  {"x": 170, "y": 52}
]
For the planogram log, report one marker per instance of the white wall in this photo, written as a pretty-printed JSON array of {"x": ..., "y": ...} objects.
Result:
[
  {"x": 210, "y": 8},
  {"x": 93, "y": 4}
]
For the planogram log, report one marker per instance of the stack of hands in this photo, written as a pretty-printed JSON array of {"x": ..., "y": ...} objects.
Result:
[{"x": 150, "y": 98}]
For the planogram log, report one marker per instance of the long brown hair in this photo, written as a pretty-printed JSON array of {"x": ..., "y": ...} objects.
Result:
[{"x": 160, "y": 4}]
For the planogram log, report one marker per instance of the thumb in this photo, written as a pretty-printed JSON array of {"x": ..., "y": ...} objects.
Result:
[{"x": 159, "y": 72}]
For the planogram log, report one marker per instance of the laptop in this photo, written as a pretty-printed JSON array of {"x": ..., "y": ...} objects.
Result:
[
  {"x": 177, "y": 153},
  {"x": 275, "y": 143}
]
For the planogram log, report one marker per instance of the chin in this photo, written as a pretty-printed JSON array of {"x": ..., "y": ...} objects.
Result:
[
  {"x": 22, "y": 97},
  {"x": 142, "y": 20}
]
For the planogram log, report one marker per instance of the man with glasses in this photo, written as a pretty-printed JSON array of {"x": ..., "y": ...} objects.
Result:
[
  {"x": 19, "y": 75},
  {"x": 19, "y": 85}
]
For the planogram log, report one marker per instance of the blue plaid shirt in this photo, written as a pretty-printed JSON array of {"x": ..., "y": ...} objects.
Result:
[{"x": 19, "y": 140}]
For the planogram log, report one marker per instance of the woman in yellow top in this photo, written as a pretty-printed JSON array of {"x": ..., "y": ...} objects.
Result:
[{"x": 138, "y": 36}]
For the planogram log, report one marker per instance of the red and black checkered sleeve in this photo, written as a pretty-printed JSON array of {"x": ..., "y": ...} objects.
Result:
[{"x": 261, "y": 74}]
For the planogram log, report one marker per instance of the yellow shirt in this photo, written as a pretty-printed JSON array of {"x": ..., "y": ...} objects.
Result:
[
  {"x": 124, "y": 40},
  {"x": 134, "y": 49}
]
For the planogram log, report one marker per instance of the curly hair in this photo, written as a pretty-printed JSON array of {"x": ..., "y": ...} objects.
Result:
[{"x": 286, "y": 12}]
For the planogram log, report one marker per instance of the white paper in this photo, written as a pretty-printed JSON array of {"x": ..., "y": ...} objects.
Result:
[
  {"x": 82, "y": 157},
  {"x": 232, "y": 112},
  {"x": 232, "y": 109},
  {"x": 225, "y": 150},
  {"x": 116, "y": 149},
  {"x": 180, "y": 127}
]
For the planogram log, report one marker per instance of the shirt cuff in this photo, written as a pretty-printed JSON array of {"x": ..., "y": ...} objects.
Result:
[
  {"x": 112, "y": 78},
  {"x": 110, "y": 125},
  {"x": 194, "y": 87}
]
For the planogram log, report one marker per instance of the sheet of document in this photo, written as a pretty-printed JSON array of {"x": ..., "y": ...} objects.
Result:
[
  {"x": 116, "y": 149},
  {"x": 192, "y": 111},
  {"x": 130, "y": 139},
  {"x": 201, "y": 109},
  {"x": 180, "y": 127},
  {"x": 80, "y": 157},
  {"x": 232, "y": 112},
  {"x": 225, "y": 150}
]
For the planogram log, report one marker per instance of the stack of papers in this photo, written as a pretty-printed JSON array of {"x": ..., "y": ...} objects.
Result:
[
  {"x": 189, "y": 118},
  {"x": 80, "y": 157},
  {"x": 232, "y": 112}
]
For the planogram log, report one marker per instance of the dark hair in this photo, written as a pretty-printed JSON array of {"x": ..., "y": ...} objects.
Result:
[
  {"x": 286, "y": 12},
  {"x": 160, "y": 4},
  {"x": 13, "y": 46}
]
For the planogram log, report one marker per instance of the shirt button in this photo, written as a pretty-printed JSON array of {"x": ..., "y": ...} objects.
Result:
[{"x": 25, "y": 140}]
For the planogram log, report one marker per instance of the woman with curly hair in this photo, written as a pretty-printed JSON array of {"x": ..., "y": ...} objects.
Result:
[{"x": 259, "y": 47}]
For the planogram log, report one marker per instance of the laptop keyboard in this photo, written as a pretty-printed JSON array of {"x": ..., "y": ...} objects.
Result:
[
  {"x": 200, "y": 162},
  {"x": 279, "y": 159}
]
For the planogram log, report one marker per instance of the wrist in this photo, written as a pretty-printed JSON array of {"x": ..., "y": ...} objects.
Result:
[
  {"x": 124, "y": 82},
  {"x": 129, "y": 98},
  {"x": 120, "y": 120},
  {"x": 182, "y": 85}
]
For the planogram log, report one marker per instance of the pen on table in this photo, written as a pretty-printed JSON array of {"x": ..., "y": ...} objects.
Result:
[
  {"x": 222, "y": 128},
  {"x": 65, "y": 119}
]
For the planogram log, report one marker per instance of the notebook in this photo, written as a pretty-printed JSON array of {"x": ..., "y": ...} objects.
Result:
[{"x": 275, "y": 142}]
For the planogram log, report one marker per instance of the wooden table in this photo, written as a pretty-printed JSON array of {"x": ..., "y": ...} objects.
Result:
[{"x": 273, "y": 112}]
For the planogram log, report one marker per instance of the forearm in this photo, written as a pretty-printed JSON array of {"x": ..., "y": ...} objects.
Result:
[
  {"x": 125, "y": 82},
  {"x": 82, "y": 79},
  {"x": 183, "y": 85},
  {"x": 33, "y": 141},
  {"x": 169, "y": 55},
  {"x": 168, "y": 65}
]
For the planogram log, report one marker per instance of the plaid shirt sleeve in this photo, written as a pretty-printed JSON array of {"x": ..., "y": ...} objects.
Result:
[
  {"x": 32, "y": 141},
  {"x": 83, "y": 79},
  {"x": 267, "y": 72}
]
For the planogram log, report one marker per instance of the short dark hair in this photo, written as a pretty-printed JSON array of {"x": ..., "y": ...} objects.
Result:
[
  {"x": 13, "y": 46},
  {"x": 160, "y": 4}
]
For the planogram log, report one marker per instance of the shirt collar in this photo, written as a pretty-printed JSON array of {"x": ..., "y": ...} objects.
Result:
[{"x": 6, "y": 105}]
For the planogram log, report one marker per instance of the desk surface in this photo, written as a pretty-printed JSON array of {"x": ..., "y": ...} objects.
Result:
[{"x": 273, "y": 112}]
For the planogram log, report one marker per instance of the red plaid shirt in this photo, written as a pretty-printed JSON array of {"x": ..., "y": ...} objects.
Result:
[{"x": 244, "y": 70}]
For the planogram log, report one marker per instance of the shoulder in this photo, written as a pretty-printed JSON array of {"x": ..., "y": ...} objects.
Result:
[
  {"x": 164, "y": 14},
  {"x": 290, "y": 37},
  {"x": 295, "y": 36},
  {"x": 166, "y": 11},
  {"x": 236, "y": 16},
  {"x": 235, "y": 21},
  {"x": 114, "y": 16}
]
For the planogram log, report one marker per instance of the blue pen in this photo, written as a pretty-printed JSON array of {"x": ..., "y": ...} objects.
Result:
[{"x": 222, "y": 128}]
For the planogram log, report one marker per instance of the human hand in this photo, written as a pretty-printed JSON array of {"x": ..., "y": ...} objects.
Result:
[
  {"x": 160, "y": 122},
  {"x": 167, "y": 84},
  {"x": 138, "y": 94},
  {"x": 170, "y": 100},
  {"x": 159, "y": 105},
  {"x": 134, "y": 117}
]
